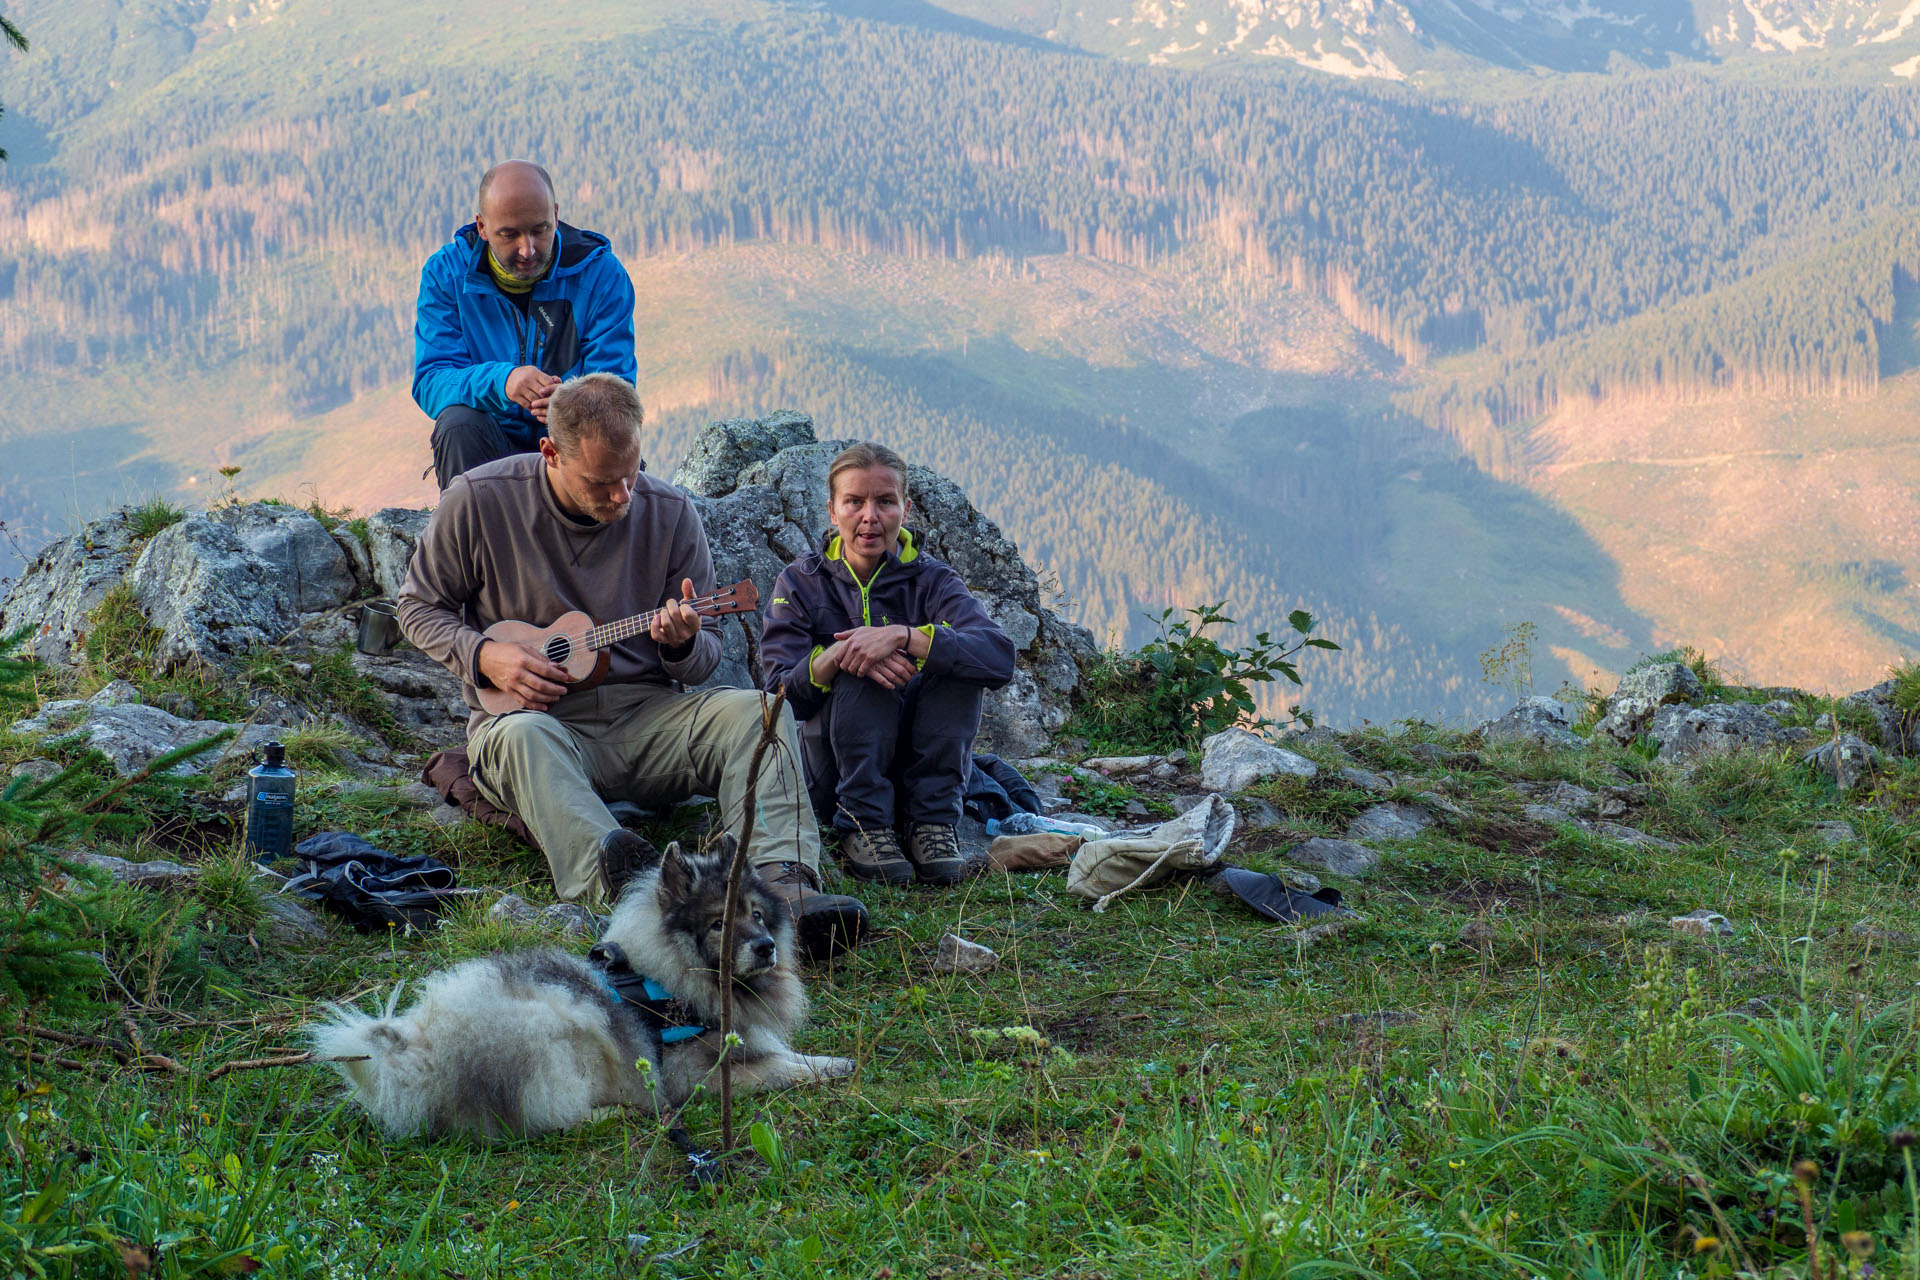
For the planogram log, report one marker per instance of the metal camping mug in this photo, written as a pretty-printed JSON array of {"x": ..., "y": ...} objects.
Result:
[{"x": 379, "y": 627}]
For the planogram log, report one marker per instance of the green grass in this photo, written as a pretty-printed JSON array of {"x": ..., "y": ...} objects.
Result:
[
  {"x": 151, "y": 516},
  {"x": 1199, "y": 1093}
]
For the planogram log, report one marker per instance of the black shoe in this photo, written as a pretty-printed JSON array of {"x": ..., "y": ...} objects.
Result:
[
  {"x": 825, "y": 923},
  {"x": 623, "y": 855}
]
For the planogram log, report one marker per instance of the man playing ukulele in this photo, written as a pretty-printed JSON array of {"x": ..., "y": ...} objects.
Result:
[{"x": 579, "y": 526}]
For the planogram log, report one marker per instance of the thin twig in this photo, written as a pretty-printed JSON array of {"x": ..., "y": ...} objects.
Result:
[
  {"x": 69, "y": 1063},
  {"x": 288, "y": 1060},
  {"x": 78, "y": 1042},
  {"x": 769, "y": 733}
]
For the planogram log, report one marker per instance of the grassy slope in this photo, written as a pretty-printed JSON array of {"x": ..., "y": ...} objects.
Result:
[{"x": 1201, "y": 1094}]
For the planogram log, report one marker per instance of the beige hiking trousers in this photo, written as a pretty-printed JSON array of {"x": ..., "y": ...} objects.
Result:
[{"x": 652, "y": 745}]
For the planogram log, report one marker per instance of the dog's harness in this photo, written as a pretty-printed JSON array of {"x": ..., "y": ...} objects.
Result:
[{"x": 656, "y": 1007}]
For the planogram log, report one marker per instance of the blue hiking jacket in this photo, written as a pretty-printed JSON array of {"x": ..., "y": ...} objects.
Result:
[
  {"x": 468, "y": 336},
  {"x": 817, "y": 596}
]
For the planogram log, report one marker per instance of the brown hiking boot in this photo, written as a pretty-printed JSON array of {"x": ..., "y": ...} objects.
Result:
[
  {"x": 825, "y": 923},
  {"x": 875, "y": 855},
  {"x": 934, "y": 850}
]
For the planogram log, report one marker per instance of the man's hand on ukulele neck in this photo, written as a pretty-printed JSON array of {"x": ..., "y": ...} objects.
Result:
[
  {"x": 675, "y": 626},
  {"x": 536, "y": 682}
]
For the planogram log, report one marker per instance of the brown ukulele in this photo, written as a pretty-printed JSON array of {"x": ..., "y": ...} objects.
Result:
[{"x": 579, "y": 648}]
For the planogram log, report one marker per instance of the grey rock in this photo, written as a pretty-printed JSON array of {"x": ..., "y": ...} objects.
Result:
[
  {"x": 447, "y": 815},
  {"x": 1304, "y": 881},
  {"x": 1122, "y": 765},
  {"x": 392, "y": 534},
  {"x": 1847, "y": 761},
  {"x": 1703, "y": 923},
  {"x": 1551, "y": 816},
  {"x": 1630, "y": 835},
  {"x": 1867, "y": 932},
  {"x": 65, "y": 583},
  {"x": 116, "y": 693},
  {"x": 1330, "y": 927},
  {"x": 1834, "y": 832},
  {"x": 1136, "y": 809},
  {"x": 571, "y": 920},
  {"x": 1233, "y": 760},
  {"x": 1572, "y": 798},
  {"x": 417, "y": 795},
  {"x": 1389, "y": 822},
  {"x": 1545, "y": 721},
  {"x": 1165, "y": 771},
  {"x": 1823, "y": 723},
  {"x": 957, "y": 955},
  {"x": 1378, "y": 784},
  {"x": 720, "y": 453},
  {"x": 359, "y": 561},
  {"x": 157, "y": 874},
  {"x": 286, "y": 921},
  {"x": 223, "y": 582},
  {"x": 514, "y": 909},
  {"x": 38, "y": 770},
  {"x": 1382, "y": 1018},
  {"x": 1644, "y": 691},
  {"x": 1335, "y": 857},
  {"x": 1722, "y": 728},
  {"x": 1778, "y": 708},
  {"x": 1613, "y": 808},
  {"x": 132, "y": 735},
  {"x": 1429, "y": 753},
  {"x": 1434, "y": 802},
  {"x": 1257, "y": 815},
  {"x": 174, "y": 702},
  {"x": 1899, "y": 730}
]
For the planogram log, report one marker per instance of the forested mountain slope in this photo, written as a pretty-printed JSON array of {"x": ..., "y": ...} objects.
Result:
[{"x": 1188, "y": 334}]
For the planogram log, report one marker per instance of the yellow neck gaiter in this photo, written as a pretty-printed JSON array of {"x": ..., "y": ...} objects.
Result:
[{"x": 509, "y": 282}]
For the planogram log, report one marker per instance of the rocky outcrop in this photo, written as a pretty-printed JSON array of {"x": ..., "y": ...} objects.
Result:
[
  {"x": 1687, "y": 733},
  {"x": 1644, "y": 691},
  {"x": 222, "y": 583},
  {"x": 132, "y": 735},
  {"x": 761, "y": 489},
  {"x": 1899, "y": 730},
  {"x": 1543, "y": 721}
]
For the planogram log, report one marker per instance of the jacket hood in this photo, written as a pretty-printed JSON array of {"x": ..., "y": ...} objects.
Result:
[{"x": 574, "y": 248}]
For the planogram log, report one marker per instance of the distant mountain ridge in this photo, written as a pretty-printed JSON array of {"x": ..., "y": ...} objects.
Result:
[{"x": 1398, "y": 39}]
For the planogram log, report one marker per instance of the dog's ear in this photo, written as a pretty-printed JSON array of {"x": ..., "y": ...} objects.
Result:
[
  {"x": 727, "y": 847},
  {"x": 676, "y": 877}
]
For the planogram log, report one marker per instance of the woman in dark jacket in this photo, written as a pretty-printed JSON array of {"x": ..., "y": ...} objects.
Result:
[{"x": 886, "y": 658}]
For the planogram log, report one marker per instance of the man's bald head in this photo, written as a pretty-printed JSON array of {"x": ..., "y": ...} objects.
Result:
[
  {"x": 517, "y": 176},
  {"x": 518, "y": 217}
]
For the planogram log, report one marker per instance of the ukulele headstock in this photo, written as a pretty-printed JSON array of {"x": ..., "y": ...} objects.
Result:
[{"x": 741, "y": 597}]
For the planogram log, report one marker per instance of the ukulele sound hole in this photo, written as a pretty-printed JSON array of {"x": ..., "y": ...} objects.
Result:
[{"x": 559, "y": 649}]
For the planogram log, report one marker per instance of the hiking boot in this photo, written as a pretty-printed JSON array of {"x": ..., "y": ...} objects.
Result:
[
  {"x": 623, "y": 855},
  {"x": 934, "y": 850},
  {"x": 825, "y": 923},
  {"x": 875, "y": 855}
]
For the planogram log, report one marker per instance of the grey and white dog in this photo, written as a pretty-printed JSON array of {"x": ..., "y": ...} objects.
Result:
[{"x": 538, "y": 1040}]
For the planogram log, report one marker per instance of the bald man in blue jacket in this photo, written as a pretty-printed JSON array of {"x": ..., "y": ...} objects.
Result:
[{"x": 514, "y": 304}]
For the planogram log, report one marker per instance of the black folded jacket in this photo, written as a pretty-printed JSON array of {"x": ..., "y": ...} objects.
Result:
[{"x": 372, "y": 888}]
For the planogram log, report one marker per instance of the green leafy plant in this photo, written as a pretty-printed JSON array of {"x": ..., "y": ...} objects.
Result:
[
  {"x": 1184, "y": 684},
  {"x": 1509, "y": 664}
]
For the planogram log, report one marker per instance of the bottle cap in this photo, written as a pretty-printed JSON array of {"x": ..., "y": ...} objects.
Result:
[{"x": 276, "y": 755}]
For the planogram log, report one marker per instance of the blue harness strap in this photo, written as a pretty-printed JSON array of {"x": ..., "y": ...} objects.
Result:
[{"x": 653, "y": 1002}]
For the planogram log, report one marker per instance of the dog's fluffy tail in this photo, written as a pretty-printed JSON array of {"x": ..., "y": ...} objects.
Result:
[{"x": 383, "y": 1062}]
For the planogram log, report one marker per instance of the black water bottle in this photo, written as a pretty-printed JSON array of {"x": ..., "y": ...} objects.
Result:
[{"x": 270, "y": 806}]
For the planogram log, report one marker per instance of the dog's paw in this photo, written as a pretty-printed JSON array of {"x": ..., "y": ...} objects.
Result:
[{"x": 825, "y": 1068}]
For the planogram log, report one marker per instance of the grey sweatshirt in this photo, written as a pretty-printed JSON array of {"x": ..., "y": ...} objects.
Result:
[{"x": 499, "y": 547}]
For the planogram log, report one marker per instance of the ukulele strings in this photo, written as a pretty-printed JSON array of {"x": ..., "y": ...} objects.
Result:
[{"x": 614, "y": 632}]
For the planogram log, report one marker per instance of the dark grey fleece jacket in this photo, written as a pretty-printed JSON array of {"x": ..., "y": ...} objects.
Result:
[{"x": 499, "y": 547}]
